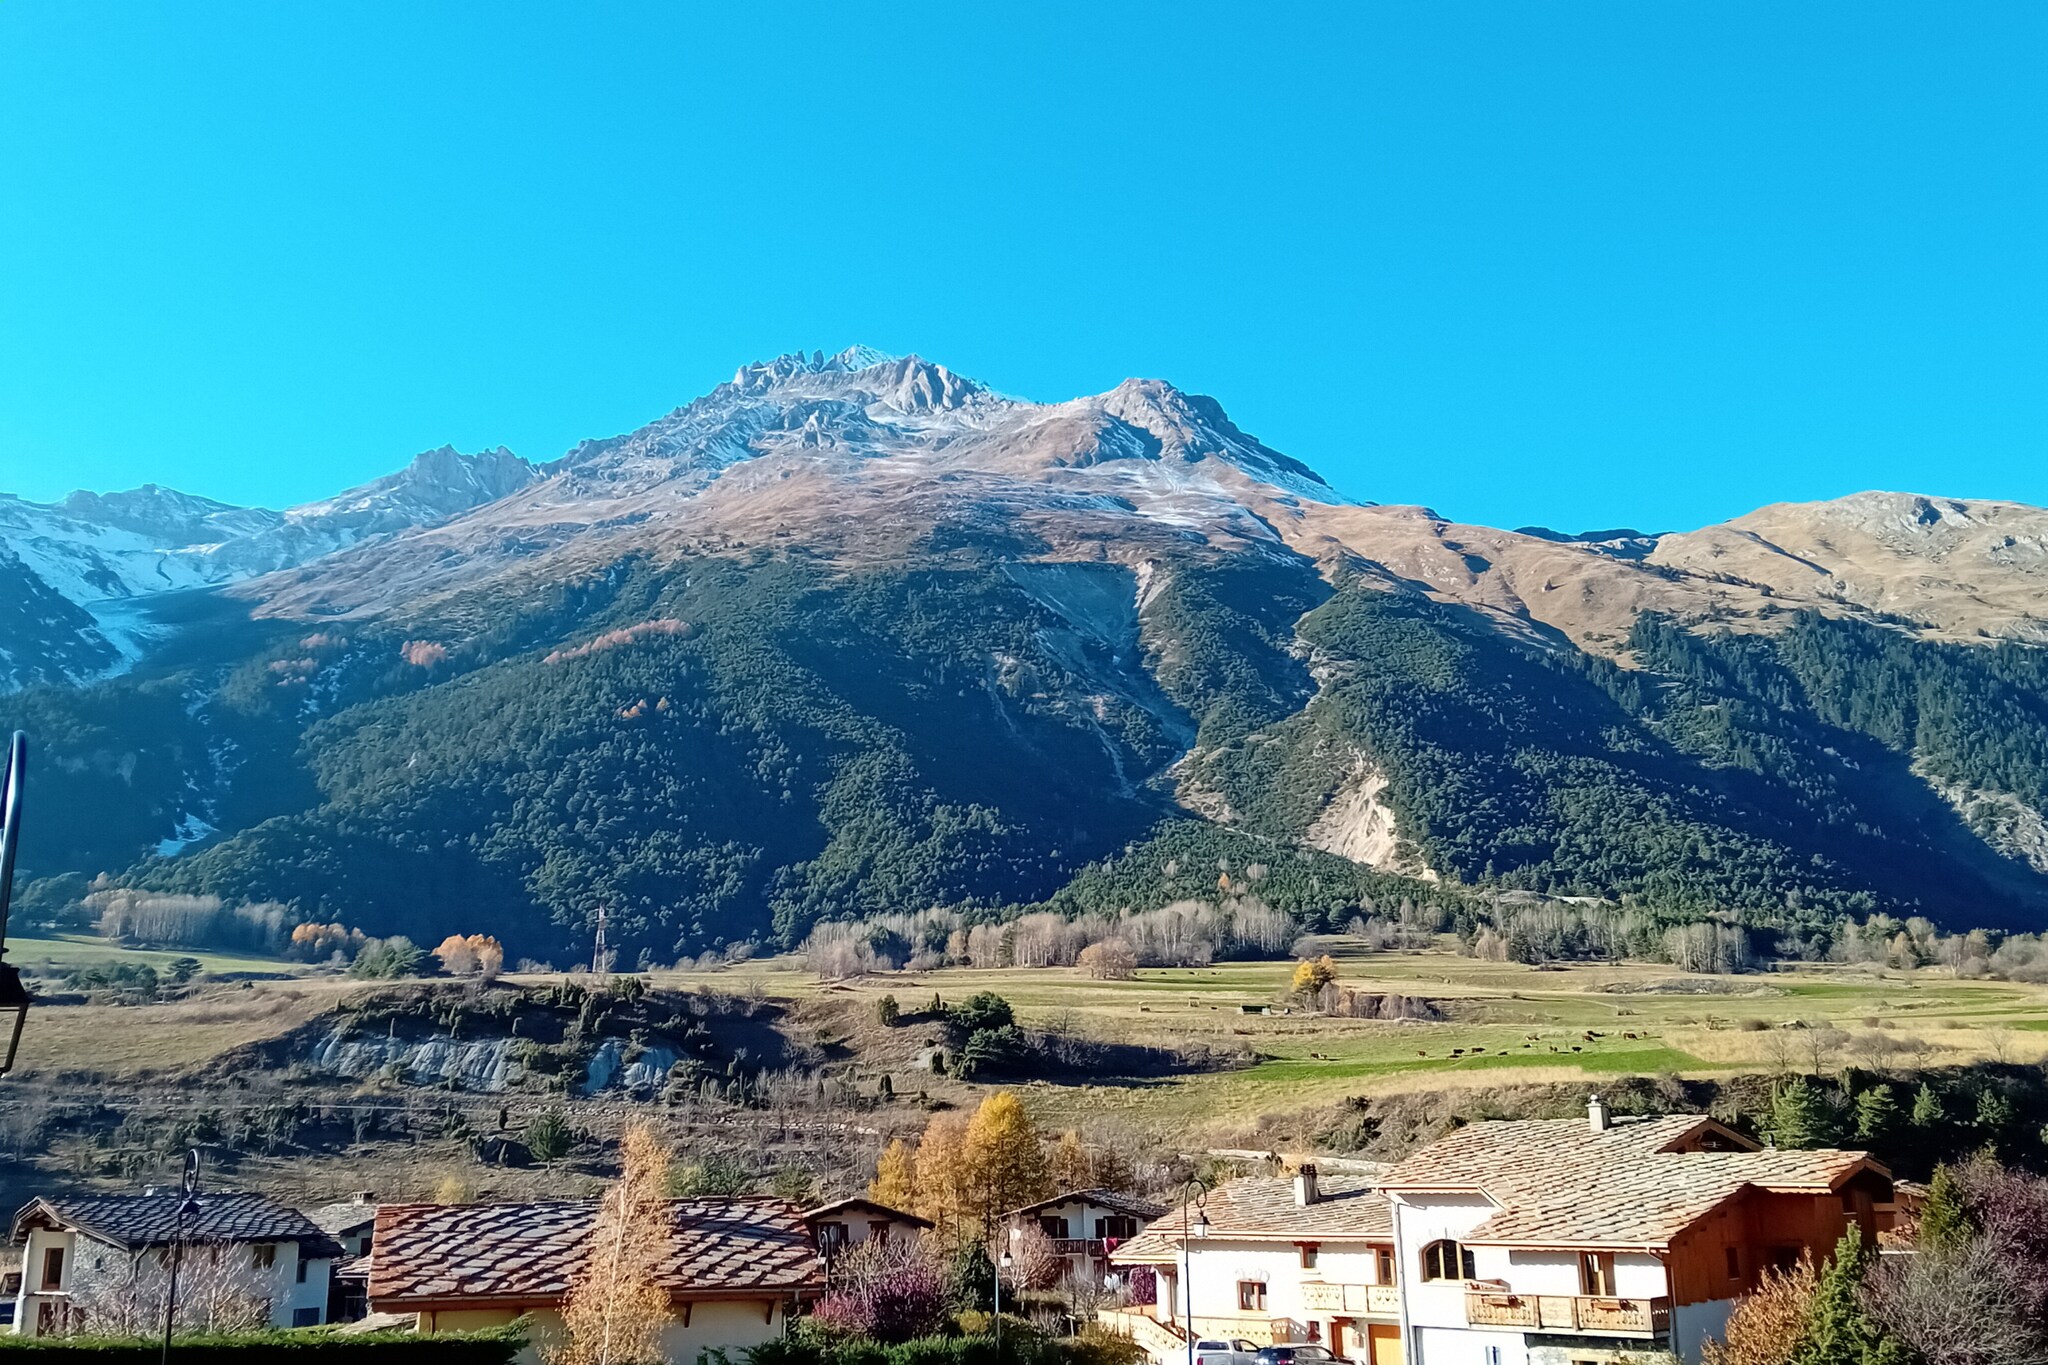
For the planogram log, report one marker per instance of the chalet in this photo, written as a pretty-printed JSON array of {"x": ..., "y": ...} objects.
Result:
[
  {"x": 1541, "y": 1242},
  {"x": 1086, "y": 1226},
  {"x": 734, "y": 1268},
  {"x": 86, "y": 1258},
  {"x": 1587, "y": 1240},
  {"x": 845, "y": 1223},
  {"x": 1307, "y": 1258},
  {"x": 352, "y": 1224}
]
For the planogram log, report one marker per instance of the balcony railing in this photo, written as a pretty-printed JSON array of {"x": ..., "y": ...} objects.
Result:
[
  {"x": 1079, "y": 1246},
  {"x": 1365, "y": 1300},
  {"x": 1615, "y": 1317}
]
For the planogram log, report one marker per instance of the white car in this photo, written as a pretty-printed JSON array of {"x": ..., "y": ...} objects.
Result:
[{"x": 1215, "y": 1351}]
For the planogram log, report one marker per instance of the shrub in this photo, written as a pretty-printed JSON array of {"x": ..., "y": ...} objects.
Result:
[
  {"x": 493, "y": 1346},
  {"x": 383, "y": 958},
  {"x": 983, "y": 1010}
]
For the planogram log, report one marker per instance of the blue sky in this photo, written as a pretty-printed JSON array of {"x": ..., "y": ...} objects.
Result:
[{"x": 1583, "y": 264}]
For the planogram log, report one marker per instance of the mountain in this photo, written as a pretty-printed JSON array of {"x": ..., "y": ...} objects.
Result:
[
  {"x": 81, "y": 571},
  {"x": 855, "y": 634}
]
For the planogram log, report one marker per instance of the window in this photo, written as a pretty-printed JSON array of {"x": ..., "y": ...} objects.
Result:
[
  {"x": 305, "y": 1317},
  {"x": 53, "y": 1267},
  {"x": 1251, "y": 1296},
  {"x": 263, "y": 1257},
  {"x": 1309, "y": 1253},
  {"x": 831, "y": 1237},
  {"x": 303, "y": 1263},
  {"x": 1122, "y": 1227},
  {"x": 1596, "y": 1274},
  {"x": 878, "y": 1230},
  {"x": 1784, "y": 1258},
  {"x": 1734, "y": 1264},
  {"x": 1383, "y": 1264},
  {"x": 1055, "y": 1228},
  {"x": 1446, "y": 1260}
]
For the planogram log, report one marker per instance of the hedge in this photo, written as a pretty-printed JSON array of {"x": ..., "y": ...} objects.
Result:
[
  {"x": 310, "y": 1346},
  {"x": 1024, "y": 1347}
]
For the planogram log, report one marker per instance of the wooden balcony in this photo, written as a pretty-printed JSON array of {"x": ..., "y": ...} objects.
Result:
[
  {"x": 1356, "y": 1300},
  {"x": 1079, "y": 1246},
  {"x": 1607, "y": 1317}
]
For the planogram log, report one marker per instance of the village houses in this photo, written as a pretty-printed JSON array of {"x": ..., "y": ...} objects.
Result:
[
  {"x": 1084, "y": 1227},
  {"x": 1541, "y": 1242},
  {"x": 845, "y": 1223},
  {"x": 96, "y": 1261},
  {"x": 734, "y": 1269}
]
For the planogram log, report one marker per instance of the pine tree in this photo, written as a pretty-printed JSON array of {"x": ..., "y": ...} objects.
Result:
[
  {"x": 1995, "y": 1113},
  {"x": 1877, "y": 1115},
  {"x": 1928, "y": 1113},
  {"x": 1840, "y": 1331},
  {"x": 1005, "y": 1159},
  {"x": 895, "y": 1182},
  {"x": 617, "y": 1306},
  {"x": 1944, "y": 1222},
  {"x": 1069, "y": 1167},
  {"x": 1799, "y": 1117}
]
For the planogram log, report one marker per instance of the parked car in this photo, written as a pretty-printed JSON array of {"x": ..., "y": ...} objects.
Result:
[
  {"x": 1298, "y": 1353},
  {"x": 1214, "y": 1351}
]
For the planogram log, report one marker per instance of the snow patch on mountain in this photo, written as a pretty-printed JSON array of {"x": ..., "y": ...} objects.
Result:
[{"x": 82, "y": 572}]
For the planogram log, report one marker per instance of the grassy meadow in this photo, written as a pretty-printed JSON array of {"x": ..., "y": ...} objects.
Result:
[{"x": 1502, "y": 1022}]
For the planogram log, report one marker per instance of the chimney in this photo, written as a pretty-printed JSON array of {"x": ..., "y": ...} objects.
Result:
[
  {"x": 1596, "y": 1114},
  {"x": 364, "y": 1197},
  {"x": 1305, "y": 1191}
]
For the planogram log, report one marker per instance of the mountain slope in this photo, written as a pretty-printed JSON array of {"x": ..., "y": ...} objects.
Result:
[
  {"x": 855, "y": 633},
  {"x": 85, "y": 568}
]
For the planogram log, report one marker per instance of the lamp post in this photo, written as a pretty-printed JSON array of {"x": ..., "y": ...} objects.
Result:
[
  {"x": 1191, "y": 1195},
  {"x": 188, "y": 1204},
  {"x": 13, "y": 996},
  {"x": 1004, "y": 1262}
]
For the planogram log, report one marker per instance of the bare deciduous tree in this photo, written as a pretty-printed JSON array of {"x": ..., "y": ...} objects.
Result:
[{"x": 220, "y": 1289}]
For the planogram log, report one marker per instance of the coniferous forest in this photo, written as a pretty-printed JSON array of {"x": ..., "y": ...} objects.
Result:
[{"x": 729, "y": 749}]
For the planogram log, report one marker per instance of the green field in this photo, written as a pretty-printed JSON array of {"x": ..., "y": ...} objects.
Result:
[
  {"x": 68, "y": 952},
  {"x": 1503, "y": 1023}
]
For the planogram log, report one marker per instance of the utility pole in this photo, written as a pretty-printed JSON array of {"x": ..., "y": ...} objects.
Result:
[
  {"x": 600, "y": 964},
  {"x": 14, "y": 997}
]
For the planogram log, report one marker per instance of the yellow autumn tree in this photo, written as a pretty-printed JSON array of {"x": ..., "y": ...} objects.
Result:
[
  {"x": 616, "y": 1305},
  {"x": 1313, "y": 974},
  {"x": 1070, "y": 1167},
  {"x": 1005, "y": 1158},
  {"x": 942, "y": 1184},
  {"x": 895, "y": 1182}
]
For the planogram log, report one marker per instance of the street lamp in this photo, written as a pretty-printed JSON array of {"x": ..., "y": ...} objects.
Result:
[
  {"x": 1004, "y": 1262},
  {"x": 1191, "y": 1196},
  {"x": 188, "y": 1205},
  {"x": 13, "y": 996}
]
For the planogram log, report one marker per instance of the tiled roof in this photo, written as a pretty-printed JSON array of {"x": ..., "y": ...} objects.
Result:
[
  {"x": 1636, "y": 1184},
  {"x": 1506, "y": 1158},
  {"x": 430, "y": 1253},
  {"x": 858, "y": 1202},
  {"x": 335, "y": 1219},
  {"x": 134, "y": 1221},
  {"x": 1263, "y": 1208},
  {"x": 1108, "y": 1199}
]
